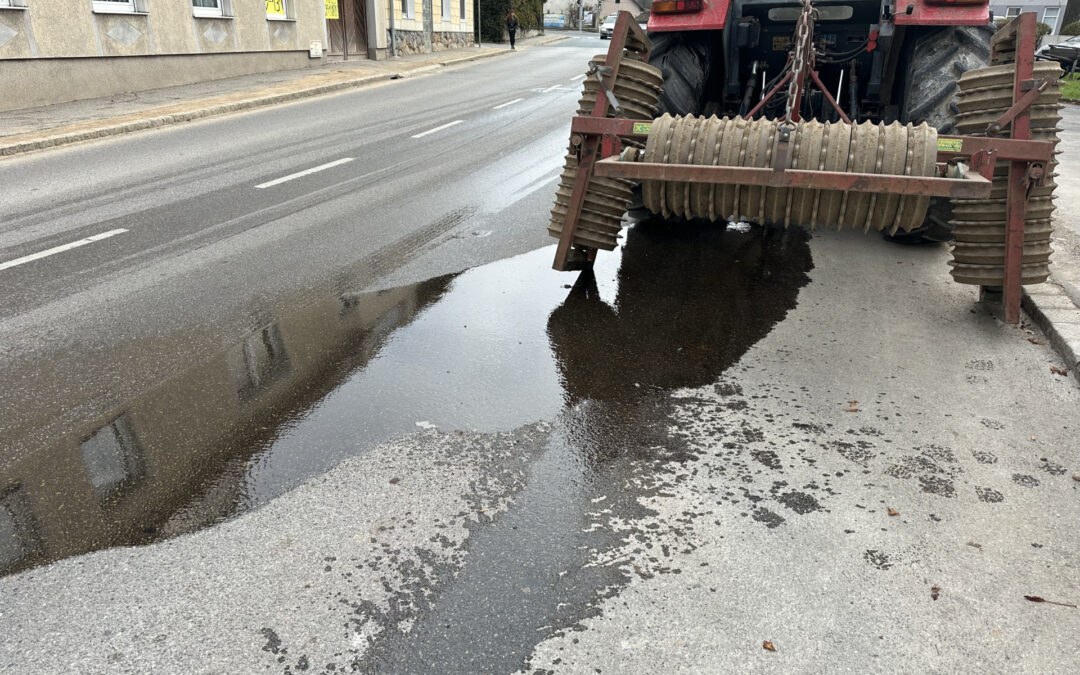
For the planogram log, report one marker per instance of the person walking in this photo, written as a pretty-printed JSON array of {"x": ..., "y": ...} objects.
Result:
[{"x": 511, "y": 27}]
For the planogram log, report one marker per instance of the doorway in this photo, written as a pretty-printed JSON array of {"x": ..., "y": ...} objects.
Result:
[{"x": 349, "y": 30}]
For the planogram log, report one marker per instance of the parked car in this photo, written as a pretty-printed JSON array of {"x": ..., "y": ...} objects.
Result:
[
  {"x": 1066, "y": 53},
  {"x": 608, "y": 27}
]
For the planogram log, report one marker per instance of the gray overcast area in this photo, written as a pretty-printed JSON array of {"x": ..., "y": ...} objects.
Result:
[{"x": 354, "y": 422}]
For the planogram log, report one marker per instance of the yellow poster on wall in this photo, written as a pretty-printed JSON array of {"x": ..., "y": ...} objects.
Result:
[
  {"x": 331, "y": 9},
  {"x": 275, "y": 7}
]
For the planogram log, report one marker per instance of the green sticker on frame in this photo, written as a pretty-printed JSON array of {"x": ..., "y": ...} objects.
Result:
[
  {"x": 950, "y": 145},
  {"x": 642, "y": 128}
]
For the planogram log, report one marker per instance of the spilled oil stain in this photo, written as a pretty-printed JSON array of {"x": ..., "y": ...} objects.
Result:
[{"x": 323, "y": 378}]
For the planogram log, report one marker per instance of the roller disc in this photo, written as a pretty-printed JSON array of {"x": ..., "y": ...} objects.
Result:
[{"x": 893, "y": 149}]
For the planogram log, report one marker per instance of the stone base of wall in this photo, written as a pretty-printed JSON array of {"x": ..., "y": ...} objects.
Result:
[
  {"x": 29, "y": 83},
  {"x": 451, "y": 40},
  {"x": 409, "y": 42},
  {"x": 412, "y": 41}
]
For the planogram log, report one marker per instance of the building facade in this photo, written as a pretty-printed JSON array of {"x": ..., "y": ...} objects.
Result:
[
  {"x": 53, "y": 51},
  {"x": 431, "y": 25},
  {"x": 1050, "y": 12}
]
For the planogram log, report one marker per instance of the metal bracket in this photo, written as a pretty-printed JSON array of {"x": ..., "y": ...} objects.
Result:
[
  {"x": 1035, "y": 176},
  {"x": 782, "y": 153},
  {"x": 600, "y": 72},
  {"x": 1022, "y": 104}
]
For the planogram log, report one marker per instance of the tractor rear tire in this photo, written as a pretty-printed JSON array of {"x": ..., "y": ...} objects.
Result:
[
  {"x": 684, "y": 60},
  {"x": 938, "y": 59}
]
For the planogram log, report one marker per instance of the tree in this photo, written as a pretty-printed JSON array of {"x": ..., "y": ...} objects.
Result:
[
  {"x": 1071, "y": 15},
  {"x": 570, "y": 11},
  {"x": 1041, "y": 31},
  {"x": 1071, "y": 29},
  {"x": 493, "y": 13}
]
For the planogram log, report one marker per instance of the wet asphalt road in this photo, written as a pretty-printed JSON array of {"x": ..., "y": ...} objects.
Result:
[
  {"x": 211, "y": 266},
  {"x": 466, "y": 462}
]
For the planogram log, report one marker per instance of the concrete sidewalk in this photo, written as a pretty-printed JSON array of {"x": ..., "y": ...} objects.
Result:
[
  {"x": 49, "y": 126},
  {"x": 1055, "y": 305}
]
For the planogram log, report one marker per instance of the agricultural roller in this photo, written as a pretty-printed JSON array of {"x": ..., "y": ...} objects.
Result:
[{"x": 845, "y": 169}]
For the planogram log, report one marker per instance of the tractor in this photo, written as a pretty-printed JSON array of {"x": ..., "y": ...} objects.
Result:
[
  {"x": 839, "y": 113},
  {"x": 879, "y": 61}
]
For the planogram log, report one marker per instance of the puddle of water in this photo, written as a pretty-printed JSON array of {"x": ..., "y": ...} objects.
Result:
[{"x": 490, "y": 349}]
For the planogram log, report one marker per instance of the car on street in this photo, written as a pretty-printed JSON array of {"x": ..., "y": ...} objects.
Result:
[
  {"x": 608, "y": 27},
  {"x": 1066, "y": 53}
]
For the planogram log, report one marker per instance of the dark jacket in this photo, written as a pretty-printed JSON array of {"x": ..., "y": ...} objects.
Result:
[{"x": 511, "y": 23}]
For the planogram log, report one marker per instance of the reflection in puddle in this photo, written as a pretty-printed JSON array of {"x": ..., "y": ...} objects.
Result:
[
  {"x": 128, "y": 474},
  {"x": 112, "y": 458},
  {"x": 690, "y": 302},
  {"x": 258, "y": 360},
  {"x": 327, "y": 376}
]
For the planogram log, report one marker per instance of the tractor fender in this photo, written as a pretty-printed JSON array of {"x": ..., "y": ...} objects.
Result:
[
  {"x": 713, "y": 16},
  {"x": 931, "y": 13}
]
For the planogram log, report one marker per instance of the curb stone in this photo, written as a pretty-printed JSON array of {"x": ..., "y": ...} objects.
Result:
[
  {"x": 59, "y": 139},
  {"x": 1055, "y": 313}
]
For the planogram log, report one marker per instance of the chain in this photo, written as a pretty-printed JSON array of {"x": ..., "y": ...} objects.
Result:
[{"x": 804, "y": 32}]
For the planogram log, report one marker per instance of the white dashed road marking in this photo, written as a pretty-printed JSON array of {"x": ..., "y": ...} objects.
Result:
[
  {"x": 503, "y": 105},
  {"x": 445, "y": 126},
  {"x": 60, "y": 249},
  {"x": 306, "y": 172}
]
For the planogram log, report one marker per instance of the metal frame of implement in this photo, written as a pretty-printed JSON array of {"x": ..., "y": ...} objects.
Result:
[{"x": 596, "y": 142}]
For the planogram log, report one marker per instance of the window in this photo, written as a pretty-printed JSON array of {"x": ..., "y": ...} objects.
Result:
[
  {"x": 1050, "y": 18},
  {"x": 461, "y": 13},
  {"x": 18, "y": 527},
  {"x": 13, "y": 4},
  {"x": 258, "y": 361},
  {"x": 826, "y": 13},
  {"x": 407, "y": 11},
  {"x": 112, "y": 458},
  {"x": 1010, "y": 12},
  {"x": 117, "y": 6},
  {"x": 278, "y": 10},
  {"x": 211, "y": 7},
  {"x": 446, "y": 10}
]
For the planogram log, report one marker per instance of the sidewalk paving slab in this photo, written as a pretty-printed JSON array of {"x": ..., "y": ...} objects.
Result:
[{"x": 1057, "y": 315}]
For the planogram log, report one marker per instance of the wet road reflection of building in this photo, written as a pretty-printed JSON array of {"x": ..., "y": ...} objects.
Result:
[
  {"x": 320, "y": 376},
  {"x": 120, "y": 476}
]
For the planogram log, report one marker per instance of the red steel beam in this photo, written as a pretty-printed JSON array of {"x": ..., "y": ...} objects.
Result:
[
  {"x": 1017, "y": 193},
  {"x": 1003, "y": 148},
  {"x": 828, "y": 95},
  {"x": 949, "y": 147},
  {"x": 1021, "y": 104},
  {"x": 577, "y": 201},
  {"x": 595, "y": 142},
  {"x": 614, "y": 126},
  {"x": 964, "y": 188},
  {"x": 772, "y": 92}
]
